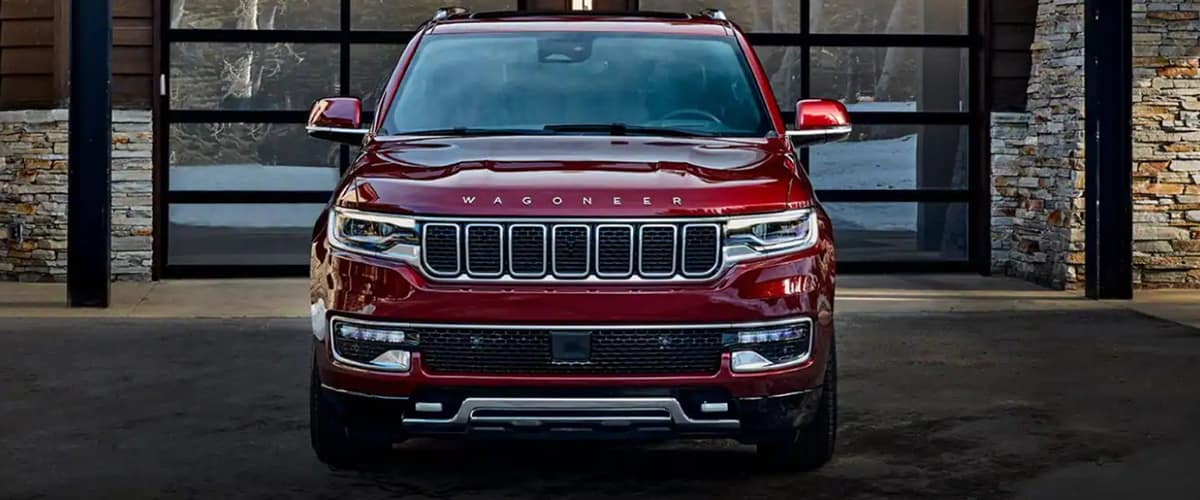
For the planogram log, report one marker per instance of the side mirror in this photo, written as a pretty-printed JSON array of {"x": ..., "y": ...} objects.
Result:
[
  {"x": 337, "y": 119},
  {"x": 820, "y": 121}
]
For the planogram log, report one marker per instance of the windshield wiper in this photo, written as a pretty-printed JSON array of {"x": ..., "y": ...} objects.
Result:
[
  {"x": 474, "y": 132},
  {"x": 622, "y": 129}
]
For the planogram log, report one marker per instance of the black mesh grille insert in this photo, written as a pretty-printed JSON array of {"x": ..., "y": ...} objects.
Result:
[
  {"x": 615, "y": 250},
  {"x": 635, "y": 352},
  {"x": 484, "y": 250},
  {"x": 441, "y": 248},
  {"x": 658, "y": 250},
  {"x": 700, "y": 254},
  {"x": 571, "y": 250},
  {"x": 528, "y": 250}
]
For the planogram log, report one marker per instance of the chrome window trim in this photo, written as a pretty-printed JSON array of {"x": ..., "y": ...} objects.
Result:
[
  {"x": 457, "y": 244},
  {"x": 514, "y": 273},
  {"x": 641, "y": 253},
  {"x": 632, "y": 251},
  {"x": 467, "y": 250},
  {"x": 587, "y": 248},
  {"x": 720, "y": 244}
]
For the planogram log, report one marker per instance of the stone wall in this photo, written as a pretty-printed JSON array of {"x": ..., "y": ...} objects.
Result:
[
  {"x": 33, "y": 193},
  {"x": 1037, "y": 181},
  {"x": 1166, "y": 144},
  {"x": 1038, "y": 159}
]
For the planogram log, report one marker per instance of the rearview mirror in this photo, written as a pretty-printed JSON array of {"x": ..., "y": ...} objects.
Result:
[
  {"x": 820, "y": 121},
  {"x": 337, "y": 119}
]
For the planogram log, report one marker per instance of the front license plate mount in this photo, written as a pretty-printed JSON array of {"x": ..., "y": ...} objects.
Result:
[{"x": 571, "y": 347}]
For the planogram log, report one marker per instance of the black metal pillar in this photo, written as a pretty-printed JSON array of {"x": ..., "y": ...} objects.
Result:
[
  {"x": 89, "y": 169},
  {"x": 1109, "y": 175}
]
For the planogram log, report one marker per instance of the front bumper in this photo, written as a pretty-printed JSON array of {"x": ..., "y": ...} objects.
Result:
[
  {"x": 601, "y": 413},
  {"x": 356, "y": 286}
]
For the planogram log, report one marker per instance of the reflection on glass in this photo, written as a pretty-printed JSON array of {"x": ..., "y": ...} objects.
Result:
[
  {"x": 255, "y": 14},
  {"x": 893, "y": 157},
  {"x": 889, "y": 16},
  {"x": 754, "y": 16},
  {"x": 370, "y": 68},
  {"x": 782, "y": 65},
  {"x": 892, "y": 78},
  {"x": 252, "y": 76},
  {"x": 250, "y": 157},
  {"x": 409, "y": 14},
  {"x": 899, "y": 231},
  {"x": 242, "y": 234}
]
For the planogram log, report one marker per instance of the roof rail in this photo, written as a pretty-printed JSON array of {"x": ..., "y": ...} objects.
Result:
[
  {"x": 497, "y": 14},
  {"x": 449, "y": 12},
  {"x": 714, "y": 14}
]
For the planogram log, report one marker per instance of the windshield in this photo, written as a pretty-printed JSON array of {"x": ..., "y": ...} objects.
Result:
[{"x": 578, "y": 83}]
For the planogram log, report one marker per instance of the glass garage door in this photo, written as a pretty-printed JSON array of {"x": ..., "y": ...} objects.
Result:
[
  {"x": 241, "y": 182},
  {"x": 906, "y": 192}
]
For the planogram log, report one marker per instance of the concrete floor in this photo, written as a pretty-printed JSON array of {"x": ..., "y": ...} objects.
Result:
[{"x": 952, "y": 387}]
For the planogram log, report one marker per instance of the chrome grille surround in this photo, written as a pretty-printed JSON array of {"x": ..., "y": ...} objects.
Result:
[
  {"x": 602, "y": 254},
  {"x": 587, "y": 250},
  {"x": 426, "y": 246},
  {"x": 471, "y": 230},
  {"x": 716, "y": 258}
]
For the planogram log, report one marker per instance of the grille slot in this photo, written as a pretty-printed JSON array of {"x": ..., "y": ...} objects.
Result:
[
  {"x": 701, "y": 249},
  {"x": 441, "y": 248},
  {"x": 485, "y": 250},
  {"x": 527, "y": 250},
  {"x": 571, "y": 250},
  {"x": 635, "y": 352},
  {"x": 658, "y": 250},
  {"x": 614, "y": 254}
]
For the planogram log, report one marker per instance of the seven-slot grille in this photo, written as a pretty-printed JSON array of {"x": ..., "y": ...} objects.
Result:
[
  {"x": 529, "y": 351},
  {"x": 568, "y": 251}
]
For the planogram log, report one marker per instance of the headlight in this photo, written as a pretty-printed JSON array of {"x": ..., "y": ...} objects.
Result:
[
  {"x": 771, "y": 234},
  {"x": 375, "y": 234}
]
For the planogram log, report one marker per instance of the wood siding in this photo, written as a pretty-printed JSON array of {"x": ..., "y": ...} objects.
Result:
[
  {"x": 1012, "y": 26},
  {"x": 34, "y": 53}
]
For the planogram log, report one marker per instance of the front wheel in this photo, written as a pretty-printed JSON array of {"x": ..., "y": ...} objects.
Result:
[
  {"x": 334, "y": 442},
  {"x": 811, "y": 446}
]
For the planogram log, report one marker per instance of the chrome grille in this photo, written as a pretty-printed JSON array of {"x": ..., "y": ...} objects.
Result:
[
  {"x": 614, "y": 251},
  {"x": 527, "y": 250},
  {"x": 658, "y": 250},
  {"x": 701, "y": 249},
  {"x": 572, "y": 250},
  {"x": 485, "y": 250},
  {"x": 441, "y": 248}
]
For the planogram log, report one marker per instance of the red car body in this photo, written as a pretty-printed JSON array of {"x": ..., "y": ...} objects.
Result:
[{"x": 565, "y": 178}]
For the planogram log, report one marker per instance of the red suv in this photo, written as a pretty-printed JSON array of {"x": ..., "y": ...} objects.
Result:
[{"x": 575, "y": 225}]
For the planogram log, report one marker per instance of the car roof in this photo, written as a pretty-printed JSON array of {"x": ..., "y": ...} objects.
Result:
[{"x": 633, "y": 22}]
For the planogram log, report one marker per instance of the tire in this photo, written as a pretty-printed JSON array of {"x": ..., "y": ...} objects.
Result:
[
  {"x": 811, "y": 446},
  {"x": 334, "y": 442}
]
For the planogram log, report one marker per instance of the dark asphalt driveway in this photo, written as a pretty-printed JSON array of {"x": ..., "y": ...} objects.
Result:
[{"x": 1055, "y": 404}]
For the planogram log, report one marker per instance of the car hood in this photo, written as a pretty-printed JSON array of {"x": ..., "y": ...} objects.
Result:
[{"x": 575, "y": 176}]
